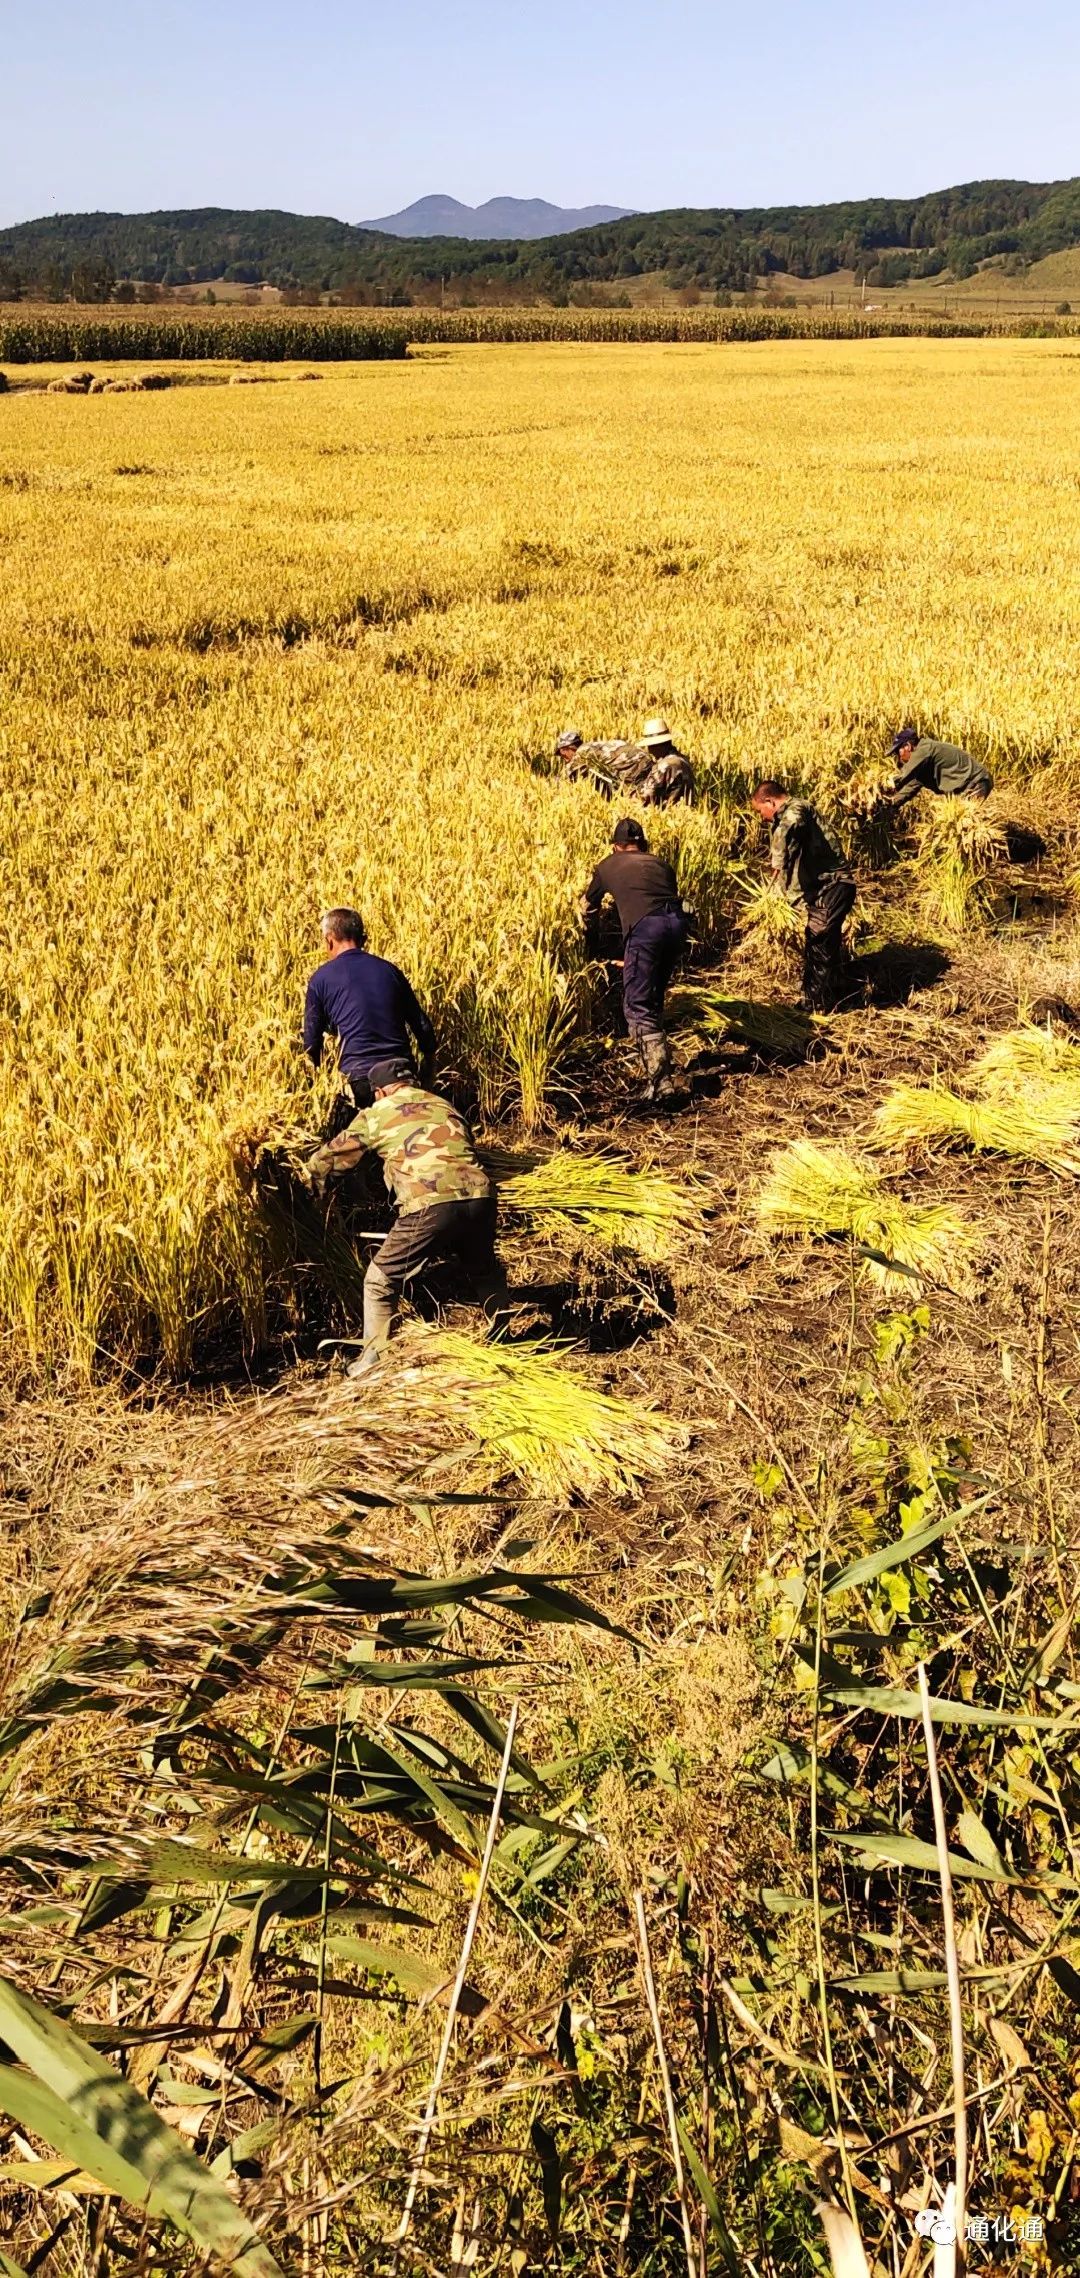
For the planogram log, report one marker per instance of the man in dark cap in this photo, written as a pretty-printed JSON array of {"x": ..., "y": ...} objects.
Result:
[
  {"x": 368, "y": 1004},
  {"x": 446, "y": 1202},
  {"x": 645, "y": 892},
  {"x": 926, "y": 765},
  {"x": 812, "y": 872}
]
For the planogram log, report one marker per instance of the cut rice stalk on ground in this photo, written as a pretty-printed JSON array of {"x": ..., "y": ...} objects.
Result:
[
  {"x": 815, "y": 1190},
  {"x": 1039, "y": 1125},
  {"x": 601, "y": 1196},
  {"x": 1026, "y": 1055},
  {"x": 511, "y": 1412},
  {"x": 782, "y": 1030}
]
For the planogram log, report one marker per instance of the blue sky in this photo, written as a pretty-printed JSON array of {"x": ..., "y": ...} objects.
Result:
[{"x": 345, "y": 108}]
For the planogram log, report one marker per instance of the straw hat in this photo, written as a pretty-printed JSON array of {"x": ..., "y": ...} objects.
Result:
[{"x": 656, "y": 732}]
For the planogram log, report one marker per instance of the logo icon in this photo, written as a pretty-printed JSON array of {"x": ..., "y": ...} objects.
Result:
[{"x": 938, "y": 2224}]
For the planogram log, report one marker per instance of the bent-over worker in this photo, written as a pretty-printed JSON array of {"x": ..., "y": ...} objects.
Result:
[
  {"x": 368, "y": 1004},
  {"x": 446, "y": 1202},
  {"x": 645, "y": 892},
  {"x": 652, "y": 769},
  {"x": 670, "y": 780},
  {"x": 812, "y": 871},
  {"x": 927, "y": 765}
]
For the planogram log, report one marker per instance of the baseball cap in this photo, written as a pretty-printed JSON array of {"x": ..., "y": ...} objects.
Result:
[
  {"x": 905, "y": 735},
  {"x": 569, "y": 736},
  {"x": 391, "y": 1072},
  {"x": 628, "y": 832}
]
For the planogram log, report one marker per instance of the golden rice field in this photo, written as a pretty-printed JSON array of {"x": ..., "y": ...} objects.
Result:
[{"x": 274, "y": 647}]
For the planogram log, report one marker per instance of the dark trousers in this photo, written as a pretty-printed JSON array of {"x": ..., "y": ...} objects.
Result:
[
  {"x": 463, "y": 1232},
  {"x": 823, "y": 952},
  {"x": 651, "y": 951}
]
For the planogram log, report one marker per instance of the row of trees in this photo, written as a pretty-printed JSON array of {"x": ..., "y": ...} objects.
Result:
[{"x": 115, "y": 256}]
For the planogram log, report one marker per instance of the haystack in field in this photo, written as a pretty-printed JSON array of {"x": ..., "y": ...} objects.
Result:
[{"x": 813, "y": 1190}]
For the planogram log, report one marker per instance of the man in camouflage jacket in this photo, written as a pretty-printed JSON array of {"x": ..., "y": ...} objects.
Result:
[
  {"x": 653, "y": 770},
  {"x": 446, "y": 1202},
  {"x": 813, "y": 873}
]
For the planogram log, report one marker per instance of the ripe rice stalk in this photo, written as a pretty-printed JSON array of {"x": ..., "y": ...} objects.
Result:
[
  {"x": 1038, "y": 1125},
  {"x": 781, "y": 1030},
  {"x": 960, "y": 843},
  {"x": 527, "y": 1410},
  {"x": 601, "y": 1196},
  {"x": 765, "y": 914},
  {"x": 1027, "y": 1055},
  {"x": 825, "y": 1191}
]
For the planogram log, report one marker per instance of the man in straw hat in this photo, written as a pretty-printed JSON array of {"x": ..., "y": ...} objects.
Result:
[
  {"x": 446, "y": 1203},
  {"x": 924, "y": 764},
  {"x": 654, "y": 924},
  {"x": 671, "y": 777},
  {"x": 813, "y": 873}
]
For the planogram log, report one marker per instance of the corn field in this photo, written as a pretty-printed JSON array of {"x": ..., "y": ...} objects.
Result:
[
  {"x": 329, "y": 335},
  {"x": 197, "y": 335},
  {"x": 274, "y": 649}
]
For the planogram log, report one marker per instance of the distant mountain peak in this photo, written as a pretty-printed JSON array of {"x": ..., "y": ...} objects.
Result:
[{"x": 443, "y": 216}]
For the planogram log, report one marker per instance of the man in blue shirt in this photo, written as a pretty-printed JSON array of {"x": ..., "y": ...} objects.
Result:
[{"x": 367, "y": 1004}]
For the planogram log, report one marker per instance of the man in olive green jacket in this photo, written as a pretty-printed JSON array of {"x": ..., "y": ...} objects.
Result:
[{"x": 926, "y": 765}]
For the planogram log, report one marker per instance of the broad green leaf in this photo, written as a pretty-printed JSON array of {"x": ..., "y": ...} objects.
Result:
[
  {"x": 73, "y": 2099},
  {"x": 978, "y": 1840},
  {"x": 709, "y": 2201},
  {"x": 439, "y": 1801},
  {"x": 894, "y": 1554},
  {"x": 243, "y": 2146},
  {"x": 897, "y": 1700},
  {"x": 792, "y": 1761},
  {"x": 891, "y": 1981},
  {"x": 908, "y": 1851},
  {"x": 413, "y": 1975},
  {"x": 48, "y": 2175}
]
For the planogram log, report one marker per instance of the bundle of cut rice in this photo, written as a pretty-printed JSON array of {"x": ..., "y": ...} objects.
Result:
[
  {"x": 1037, "y": 1124},
  {"x": 526, "y": 1410},
  {"x": 824, "y": 1190},
  {"x": 1027, "y": 1055},
  {"x": 781, "y": 1030},
  {"x": 960, "y": 842},
  {"x": 765, "y": 914},
  {"x": 601, "y": 1196}
]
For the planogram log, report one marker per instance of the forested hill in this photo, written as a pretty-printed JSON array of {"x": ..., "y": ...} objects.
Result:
[{"x": 95, "y": 256}]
